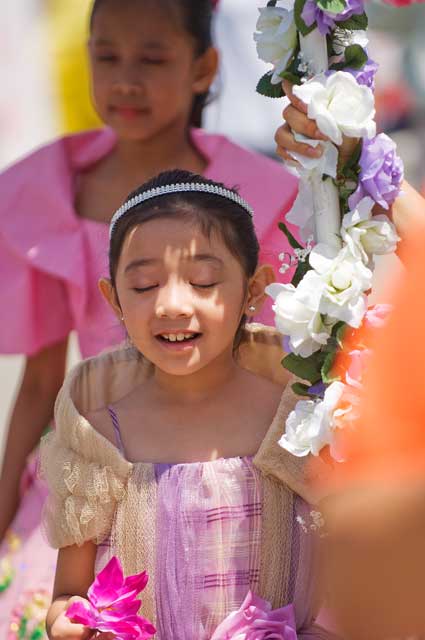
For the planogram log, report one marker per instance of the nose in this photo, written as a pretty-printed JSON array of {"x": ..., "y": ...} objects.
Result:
[
  {"x": 174, "y": 301},
  {"x": 128, "y": 80}
]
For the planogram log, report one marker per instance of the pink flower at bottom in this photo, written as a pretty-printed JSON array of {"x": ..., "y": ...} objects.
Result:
[
  {"x": 256, "y": 620},
  {"x": 112, "y": 605}
]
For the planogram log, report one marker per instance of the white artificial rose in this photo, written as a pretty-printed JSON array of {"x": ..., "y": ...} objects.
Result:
[
  {"x": 336, "y": 285},
  {"x": 276, "y": 36},
  {"x": 368, "y": 234},
  {"x": 311, "y": 425},
  {"x": 339, "y": 105},
  {"x": 305, "y": 328}
]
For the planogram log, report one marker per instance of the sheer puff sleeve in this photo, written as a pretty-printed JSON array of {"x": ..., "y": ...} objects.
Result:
[{"x": 86, "y": 476}]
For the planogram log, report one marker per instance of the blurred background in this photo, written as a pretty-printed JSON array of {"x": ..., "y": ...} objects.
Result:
[{"x": 44, "y": 90}]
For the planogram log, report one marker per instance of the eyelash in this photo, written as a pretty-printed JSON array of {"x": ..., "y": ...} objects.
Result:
[
  {"x": 112, "y": 58},
  {"x": 154, "y": 286}
]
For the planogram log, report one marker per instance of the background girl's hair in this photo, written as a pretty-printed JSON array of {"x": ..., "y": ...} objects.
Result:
[{"x": 196, "y": 16}]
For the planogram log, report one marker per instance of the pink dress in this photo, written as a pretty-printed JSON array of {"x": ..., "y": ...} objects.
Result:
[{"x": 50, "y": 262}]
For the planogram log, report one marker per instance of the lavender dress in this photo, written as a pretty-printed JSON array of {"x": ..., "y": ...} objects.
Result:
[{"x": 206, "y": 532}]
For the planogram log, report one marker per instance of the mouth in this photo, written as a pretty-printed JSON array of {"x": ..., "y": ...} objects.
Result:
[
  {"x": 179, "y": 339},
  {"x": 128, "y": 112}
]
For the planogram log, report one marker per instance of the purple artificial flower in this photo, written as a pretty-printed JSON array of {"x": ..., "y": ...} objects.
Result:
[
  {"x": 286, "y": 342},
  {"x": 366, "y": 75},
  {"x": 112, "y": 605},
  {"x": 381, "y": 172},
  {"x": 256, "y": 620},
  {"x": 326, "y": 20},
  {"x": 318, "y": 389}
]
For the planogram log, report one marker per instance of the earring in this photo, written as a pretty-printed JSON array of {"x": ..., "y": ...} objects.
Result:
[{"x": 251, "y": 308}]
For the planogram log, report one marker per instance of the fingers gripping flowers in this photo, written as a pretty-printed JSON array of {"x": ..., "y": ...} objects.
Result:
[{"x": 339, "y": 105}]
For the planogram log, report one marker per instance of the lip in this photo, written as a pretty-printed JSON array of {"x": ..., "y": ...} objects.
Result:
[{"x": 128, "y": 112}]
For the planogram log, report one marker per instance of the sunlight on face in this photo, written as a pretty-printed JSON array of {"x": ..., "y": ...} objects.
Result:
[{"x": 182, "y": 294}]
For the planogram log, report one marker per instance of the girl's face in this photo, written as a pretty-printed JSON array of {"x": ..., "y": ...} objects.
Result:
[
  {"x": 145, "y": 73},
  {"x": 181, "y": 294}
]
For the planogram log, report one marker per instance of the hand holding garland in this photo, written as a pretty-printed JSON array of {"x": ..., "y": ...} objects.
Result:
[
  {"x": 320, "y": 46},
  {"x": 408, "y": 209}
]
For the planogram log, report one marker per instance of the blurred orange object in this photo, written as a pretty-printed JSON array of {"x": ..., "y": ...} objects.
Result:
[{"x": 389, "y": 443}]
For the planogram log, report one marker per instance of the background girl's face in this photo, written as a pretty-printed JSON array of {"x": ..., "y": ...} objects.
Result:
[
  {"x": 172, "y": 283},
  {"x": 144, "y": 69}
]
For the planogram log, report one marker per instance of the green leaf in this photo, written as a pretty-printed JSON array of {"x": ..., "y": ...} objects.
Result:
[
  {"x": 333, "y": 6},
  {"x": 355, "y": 23},
  {"x": 305, "y": 368},
  {"x": 292, "y": 77},
  {"x": 291, "y": 239},
  {"x": 327, "y": 366},
  {"x": 338, "y": 333},
  {"x": 266, "y": 88},
  {"x": 272, "y": 3},
  {"x": 299, "y": 22},
  {"x": 301, "y": 389},
  {"x": 300, "y": 272},
  {"x": 351, "y": 167},
  {"x": 355, "y": 56}
]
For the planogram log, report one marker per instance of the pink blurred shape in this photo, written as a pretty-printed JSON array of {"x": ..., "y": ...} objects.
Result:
[{"x": 256, "y": 620}]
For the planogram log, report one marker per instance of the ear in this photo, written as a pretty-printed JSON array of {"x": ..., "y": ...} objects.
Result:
[
  {"x": 206, "y": 67},
  {"x": 256, "y": 289},
  {"x": 110, "y": 295}
]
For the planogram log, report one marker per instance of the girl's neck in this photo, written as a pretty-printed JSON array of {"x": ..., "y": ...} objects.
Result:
[
  {"x": 197, "y": 387},
  {"x": 167, "y": 150}
]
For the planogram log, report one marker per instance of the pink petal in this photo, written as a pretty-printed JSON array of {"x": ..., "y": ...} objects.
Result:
[
  {"x": 108, "y": 585},
  {"x": 82, "y": 613},
  {"x": 137, "y": 582}
]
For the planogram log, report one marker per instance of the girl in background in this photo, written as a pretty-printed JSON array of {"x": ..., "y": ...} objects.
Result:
[{"x": 152, "y": 63}]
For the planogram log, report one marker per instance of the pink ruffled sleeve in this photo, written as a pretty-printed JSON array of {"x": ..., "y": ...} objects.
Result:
[
  {"x": 35, "y": 307},
  {"x": 37, "y": 251}
]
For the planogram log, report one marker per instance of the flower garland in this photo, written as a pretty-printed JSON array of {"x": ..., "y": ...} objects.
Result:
[{"x": 321, "y": 47}]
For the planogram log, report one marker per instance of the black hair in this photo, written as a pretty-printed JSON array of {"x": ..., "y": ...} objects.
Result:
[
  {"x": 212, "y": 212},
  {"x": 196, "y": 16}
]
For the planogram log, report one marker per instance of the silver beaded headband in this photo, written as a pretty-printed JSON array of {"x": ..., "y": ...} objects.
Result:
[{"x": 185, "y": 187}]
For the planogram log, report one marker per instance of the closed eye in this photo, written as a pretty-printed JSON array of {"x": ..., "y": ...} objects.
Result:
[
  {"x": 204, "y": 286},
  {"x": 106, "y": 58},
  {"x": 144, "y": 289}
]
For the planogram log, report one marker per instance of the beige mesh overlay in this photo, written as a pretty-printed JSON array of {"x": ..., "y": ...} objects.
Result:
[
  {"x": 276, "y": 541},
  {"x": 133, "y": 534}
]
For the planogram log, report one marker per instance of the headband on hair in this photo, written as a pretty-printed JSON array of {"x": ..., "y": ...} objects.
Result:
[{"x": 183, "y": 187}]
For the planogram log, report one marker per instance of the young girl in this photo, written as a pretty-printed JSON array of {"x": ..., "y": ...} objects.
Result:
[
  {"x": 158, "y": 456},
  {"x": 152, "y": 64}
]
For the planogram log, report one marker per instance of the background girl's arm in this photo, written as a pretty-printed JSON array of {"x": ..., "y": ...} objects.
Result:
[
  {"x": 32, "y": 412},
  {"x": 74, "y": 575}
]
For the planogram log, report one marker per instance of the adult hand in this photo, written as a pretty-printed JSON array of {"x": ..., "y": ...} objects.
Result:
[{"x": 297, "y": 120}]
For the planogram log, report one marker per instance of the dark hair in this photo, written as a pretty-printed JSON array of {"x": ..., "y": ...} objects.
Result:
[{"x": 196, "y": 17}]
